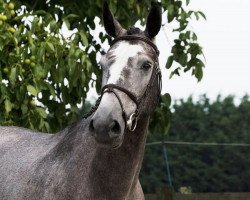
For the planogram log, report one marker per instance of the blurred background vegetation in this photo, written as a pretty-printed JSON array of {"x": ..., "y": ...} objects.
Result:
[{"x": 202, "y": 168}]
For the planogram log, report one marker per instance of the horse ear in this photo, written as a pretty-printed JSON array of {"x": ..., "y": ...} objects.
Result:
[
  {"x": 111, "y": 25},
  {"x": 153, "y": 21}
]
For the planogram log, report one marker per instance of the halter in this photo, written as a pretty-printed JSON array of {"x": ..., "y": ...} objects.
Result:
[{"x": 131, "y": 122}]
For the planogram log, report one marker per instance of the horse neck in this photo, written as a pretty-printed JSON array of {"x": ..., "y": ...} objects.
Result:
[
  {"x": 119, "y": 168},
  {"x": 91, "y": 169}
]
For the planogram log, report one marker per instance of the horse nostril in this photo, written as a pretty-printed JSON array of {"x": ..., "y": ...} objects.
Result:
[
  {"x": 115, "y": 127},
  {"x": 91, "y": 126}
]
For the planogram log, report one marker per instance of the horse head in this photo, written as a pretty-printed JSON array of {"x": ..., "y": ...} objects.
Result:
[{"x": 131, "y": 81}]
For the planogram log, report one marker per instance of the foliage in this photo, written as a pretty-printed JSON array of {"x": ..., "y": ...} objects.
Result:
[
  {"x": 36, "y": 61},
  {"x": 204, "y": 168},
  {"x": 44, "y": 75},
  {"x": 160, "y": 120}
]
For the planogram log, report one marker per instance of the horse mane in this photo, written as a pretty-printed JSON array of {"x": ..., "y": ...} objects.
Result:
[{"x": 133, "y": 31}]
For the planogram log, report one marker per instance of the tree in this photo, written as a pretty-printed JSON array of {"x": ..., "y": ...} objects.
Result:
[
  {"x": 45, "y": 76},
  {"x": 204, "y": 168}
]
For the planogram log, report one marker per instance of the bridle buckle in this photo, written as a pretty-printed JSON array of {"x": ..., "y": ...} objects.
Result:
[{"x": 132, "y": 122}]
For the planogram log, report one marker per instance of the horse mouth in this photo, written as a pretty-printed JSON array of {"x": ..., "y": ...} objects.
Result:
[
  {"x": 116, "y": 146},
  {"x": 111, "y": 143}
]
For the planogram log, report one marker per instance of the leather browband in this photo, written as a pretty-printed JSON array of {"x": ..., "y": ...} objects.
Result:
[{"x": 135, "y": 37}]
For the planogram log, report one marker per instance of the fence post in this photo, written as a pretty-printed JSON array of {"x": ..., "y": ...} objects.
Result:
[{"x": 167, "y": 165}]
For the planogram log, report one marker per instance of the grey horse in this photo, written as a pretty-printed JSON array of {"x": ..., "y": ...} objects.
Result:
[{"x": 98, "y": 157}]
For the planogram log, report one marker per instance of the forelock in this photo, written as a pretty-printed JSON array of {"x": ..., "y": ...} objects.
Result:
[
  {"x": 122, "y": 52},
  {"x": 134, "y": 31}
]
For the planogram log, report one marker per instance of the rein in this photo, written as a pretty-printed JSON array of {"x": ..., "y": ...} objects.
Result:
[{"x": 131, "y": 121}]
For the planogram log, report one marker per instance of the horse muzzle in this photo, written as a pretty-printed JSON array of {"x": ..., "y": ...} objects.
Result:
[{"x": 107, "y": 129}]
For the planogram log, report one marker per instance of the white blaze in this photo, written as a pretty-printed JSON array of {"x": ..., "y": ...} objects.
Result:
[{"x": 122, "y": 53}]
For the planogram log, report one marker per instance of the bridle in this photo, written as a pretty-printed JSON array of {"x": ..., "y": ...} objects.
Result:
[{"x": 131, "y": 121}]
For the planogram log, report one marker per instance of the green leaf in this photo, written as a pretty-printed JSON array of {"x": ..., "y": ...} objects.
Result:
[
  {"x": 84, "y": 38},
  {"x": 41, "y": 52},
  {"x": 138, "y": 9},
  {"x": 170, "y": 12},
  {"x": 190, "y": 13},
  {"x": 41, "y": 112},
  {"x": 40, "y": 12},
  {"x": 50, "y": 46},
  {"x": 166, "y": 99},
  {"x": 202, "y": 14},
  {"x": 188, "y": 33},
  {"x": 187, "y": 2},
  {"x": 39, "y": 72},
  {"x": 7, "y": 105},
  {"x": 198, "y": 72},
  {"x": 199, "y": 62},
  {"x": 47, "y": 126},
  {"x": 53, "y": 25},
  {"x": 194, "y": 37},
  {"x": 41, "y": 124},
  {"x": 32, "y": 90},
  {"x": 24, "y": 109},
  {"x": 182, "y": 36},
  {"x": 171, "y": 9},
  {"x": 194, "y": 49},
  {"x": 183, "y": 59},
  {"x": 83, "y": 58},
  {"x": 30, "y": 39},
  {"x": 196, "y": 15},
  {"x": 72, "y": 16},
  {"x": 169, "y": 62},
  {"x": 77, "y": 53},
  {"x": 13, "y": 75},
  {"x": 178, "y": 4},
  {"x": 175, "y": 72}
]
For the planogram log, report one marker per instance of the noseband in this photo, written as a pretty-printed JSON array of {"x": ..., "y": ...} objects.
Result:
[{"x": 131, "y": 121}]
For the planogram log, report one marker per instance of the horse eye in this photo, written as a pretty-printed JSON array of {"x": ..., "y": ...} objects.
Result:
[{"x": 146, "y": 66}]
